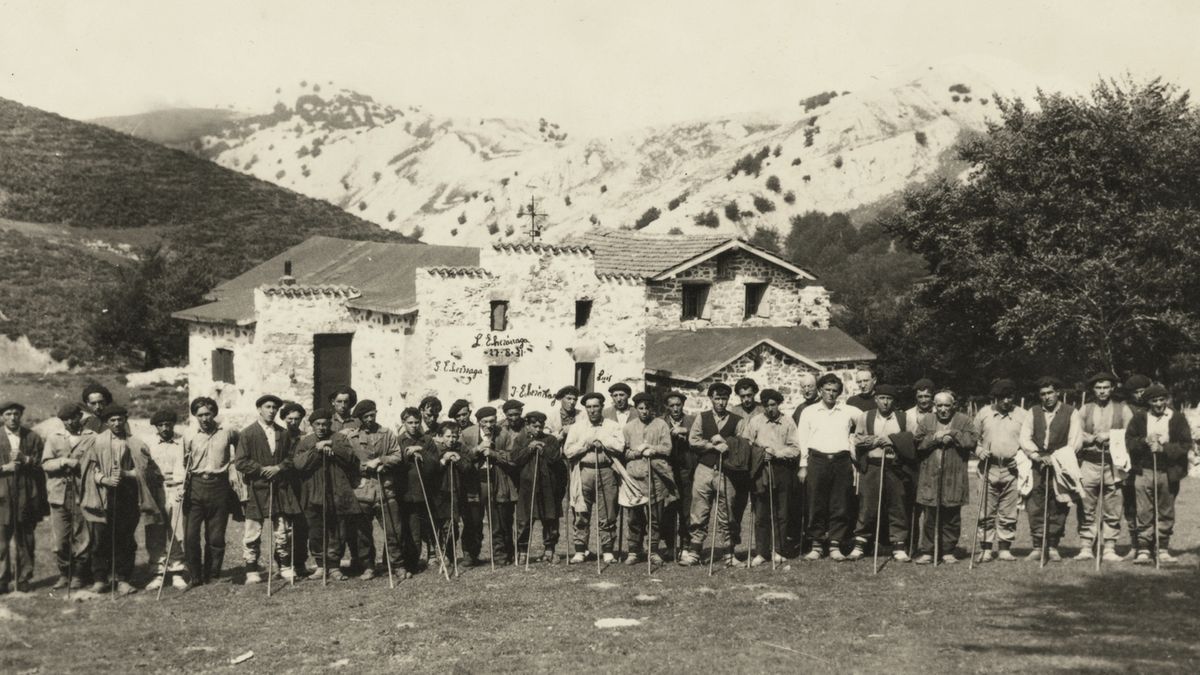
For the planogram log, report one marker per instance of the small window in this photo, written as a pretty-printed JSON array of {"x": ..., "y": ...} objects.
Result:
[
  {"x": 754, "y": 298},
  {"x": 585, "y": 377},
  {"x": 499, "y": 315},
  {"x": 724, "y": 267},
  {"x": 694, "y": 297},
  {"x": 583, "y": 312},
  {"x": 497, "y": 382},
  {"x": 222, "y": 366}
]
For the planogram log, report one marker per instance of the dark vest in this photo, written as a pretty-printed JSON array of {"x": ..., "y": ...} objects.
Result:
[
  {"x": 738, "y": 457},
  {"x": 1060, "y": 428},
  {"x": 900, "y": 419}
]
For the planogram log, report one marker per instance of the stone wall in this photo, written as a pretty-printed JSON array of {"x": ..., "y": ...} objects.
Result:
[
  {"x": 788, "y": 301},
  {"x": 203, "y": 338},
  {"x": 540, "y": 344}
]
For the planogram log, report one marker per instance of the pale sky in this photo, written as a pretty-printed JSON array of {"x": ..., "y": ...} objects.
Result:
[{"x": 589, "y": 65}]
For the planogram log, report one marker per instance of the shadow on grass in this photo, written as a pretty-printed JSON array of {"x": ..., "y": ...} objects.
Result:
[{"x": 1123, "y": 618}]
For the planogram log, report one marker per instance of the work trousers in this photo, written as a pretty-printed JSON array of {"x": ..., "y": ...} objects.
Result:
[
  {"x": 362, "y": 541},
  {"x": 208, "y": 512},
  {"x": 252, "y": 542},
  {"x": 707, "y": 486},
  {"x": 675, "y": 515},
  {"x": 604, "y": 504},
  {"x": 638, "y": 527},
  {"x": 72, "y": 541},
  {"x": 829, "y": 485},
  {"x": 1109, "y": 504},
  {"x": 115, "y": 546},
  {"x": 895, "y": 497},
  {"x": 998, "y": 522},
  {"x": 414, "y": 528},
  {"x": 950, "y": 520},
  {"x": 1130, "y": 509},
  {"x": 472, "y": 526},
  {"x": 797, "y": 495},
  {"x": 1167, "y": 492},
  {"x": 771, "y": 515},
  {"x": 503, "y": 543},
  {"x": 1035, "y": 502},
  {"x": 19, "y": 537},
  {"x": 549, "y": 534}
]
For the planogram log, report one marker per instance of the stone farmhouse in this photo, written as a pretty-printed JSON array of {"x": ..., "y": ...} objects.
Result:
[{"x": 402, "y": 321}]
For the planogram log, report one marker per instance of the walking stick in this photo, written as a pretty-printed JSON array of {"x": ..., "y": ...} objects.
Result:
[
  {"x": 453, "y": 521},
  {"x": 385, "y": 518},
  {"x": 651, "y": 544},
  {"x": 325, "y": 520},
  {"x": 487, "y": 467},
  {"x": 17, "y": 520},
  {"x": 981, "y": 512},
  {"x": 1045, "y": 513},
  {"x": 771, "y": 507},
  {"x": 537, "y": 466},
  {"x": 112, "y": 543},
  {"x": 753, "y": 529},
  {"x": 69, "y": 505},
  {"x": 714, "y": 514},
  {"x": 596, "y": 497},
  {"x": 1098, "y": 514},
  {"x": 166, "y": 561},
  {"x": 437, "y": 541},
  {"x": 271, "y": 549},
  {"x": 878, "y": 515},
  {"x": 1154, "y": 463},
  {"x": 937, "y": 514}
]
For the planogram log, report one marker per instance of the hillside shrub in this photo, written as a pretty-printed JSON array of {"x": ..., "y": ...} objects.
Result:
[
  {"x": 773, "y": 184},
  {"x": 790, "y": 197},
  {"x": 462, "y": 218},
  {"x": 959, "y": 89},
  {"x": 732, "y": 212},
  {"x": 493, "y": 228},
  {"x": 796, "y": 161},
  {"x": 837, "y": 162},
  {"x": 646, "y": 218},
  {"x": 707, "y": 219},
  {"x": 922, "y": 140},
  {"x": 763, "y": 204},
  {"x": 676, "y": 201}
]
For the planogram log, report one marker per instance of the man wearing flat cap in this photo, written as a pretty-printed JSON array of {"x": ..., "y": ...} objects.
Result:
[
  {"x": 208, "y": 452},
  {"x": 22, "y": 496},
  {"x": 119, "y": 484},
  {"x": 327, "y": 463},
  {"x": 265, "y": 460},
  {"x": 62, "y": 462},
  {"x": 167, "y": 452},
  {"x": 1159, "y": 440},
  {"x": 1102, "y": 470},
  {"x": 590, "y": 448},
  {"x": 1051, "y": 426},
  {"x": 620, "y": 411},
  {"x": 886, "y": 456},
  {"x": 774, "y": 461},
  {"x": 1000, "y": 467}
]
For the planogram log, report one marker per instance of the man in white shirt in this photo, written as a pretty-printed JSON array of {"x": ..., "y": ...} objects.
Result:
[
  {"x": 167, "y": 452},
  {"x": 825, "y": 436},
  {"x": 591, "y": 445}
]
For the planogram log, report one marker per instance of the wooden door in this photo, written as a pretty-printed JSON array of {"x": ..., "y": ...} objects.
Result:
[{"x": 331, "y": 365}]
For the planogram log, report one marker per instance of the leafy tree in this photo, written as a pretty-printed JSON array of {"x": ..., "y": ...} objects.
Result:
[{"x": 1074, "y": 243}]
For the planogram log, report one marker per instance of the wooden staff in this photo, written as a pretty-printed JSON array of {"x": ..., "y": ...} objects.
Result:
[
  {"x": 16, "y": 510},
  {"x": 453, "y": 520},
  {"x": 271, "y": 548},
  {"x": 715, "y": 513},
  {"x": 981, "y": 512},
  {"x": 1045, "y": 514},
  {"x": 166, "y": 561},
  {"x": 385, "y": 517},
  {"x": 1098, "y": 514},
  {"x": 937, "y": 514},
  {"x": 753, "y": 530},
  {"x": 487, "y": 467},
  {"x": 771, "y": 508},
  {"x": 650, "y": 538},
  {"x": 325, "y": 520},
  {"x": 878, "y": 516},
  {"x": 112, "y": 527},
  {"x": 437, "y": 541},
  {"x": 537, "y": 465},
  {"x": 69, "y": 504},
  {"x": 596, "y": 502},
  {"x": 1154, "y": 465}
]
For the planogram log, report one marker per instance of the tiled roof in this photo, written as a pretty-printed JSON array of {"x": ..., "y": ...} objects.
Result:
[
  {"x": 300, "y": 291},
  {"x": 621, "y": 252},
  {"x": 694, "y": 355},
  {"x": 540, "y": 248},
  {"x": 383, "y": 273},
  {"x": 458, "y": 271}
]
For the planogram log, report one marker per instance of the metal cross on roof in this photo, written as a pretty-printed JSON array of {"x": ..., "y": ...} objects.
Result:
[{"x": 535, "y": 230}]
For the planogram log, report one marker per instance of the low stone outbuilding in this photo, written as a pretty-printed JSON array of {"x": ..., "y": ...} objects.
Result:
[{"x": 402, "y": 321}]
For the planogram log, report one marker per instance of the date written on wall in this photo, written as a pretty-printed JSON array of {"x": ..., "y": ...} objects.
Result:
[{"x": 494, "y": 345}]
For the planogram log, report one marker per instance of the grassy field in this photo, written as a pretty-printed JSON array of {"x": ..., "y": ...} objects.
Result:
[{"x": 1008, "y": 616}]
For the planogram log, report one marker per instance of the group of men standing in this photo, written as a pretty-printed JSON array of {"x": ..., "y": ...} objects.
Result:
[{"x": 833, "y": 478}]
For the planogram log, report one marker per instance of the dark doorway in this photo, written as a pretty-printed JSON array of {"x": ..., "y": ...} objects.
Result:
[
  {"x": 331, "y": 365},
  {"x": 585, "y": 377}
]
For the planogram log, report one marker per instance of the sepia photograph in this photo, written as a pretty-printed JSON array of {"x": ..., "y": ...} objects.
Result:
[{"x": 626, "y": 337}]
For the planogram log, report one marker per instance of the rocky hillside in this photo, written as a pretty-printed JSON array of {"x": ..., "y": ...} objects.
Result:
[{"x": 465, "y": 181}]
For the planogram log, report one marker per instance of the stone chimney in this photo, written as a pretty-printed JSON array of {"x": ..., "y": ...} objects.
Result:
[{"x": 287, "y": 279}]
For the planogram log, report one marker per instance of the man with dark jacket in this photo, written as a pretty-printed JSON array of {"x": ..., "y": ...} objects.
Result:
[
  {"x": 468, "y": 473},
  {"x": 538, "y": 456},
  {"x": 330, "y": 468},
  {"x": 418, "y": 477},
  {"x": 1157, "y": 438},
  {"x": 683, "y": 466},
  {"x": 22, "y": 496},
  {"x": 61, "y": 462},
  {"x": 884, "y": 452},
  {"x": 379, "y": 456},
  {"x": 945, "y": 441},
  {"x": 264, "y": 458}
]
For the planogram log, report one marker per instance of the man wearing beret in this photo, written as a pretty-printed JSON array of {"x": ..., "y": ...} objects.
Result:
[
  {"x": 119, "y": 484},
  {"x": 998, "y": 427},
  {"x": 712, "y": 436},
  {"x": 265, "y": 459},
  {"x": 683, "y": 466},
  {"x": 95, "y": 397},
  {"x": 774, "y": 460},
  {"x": 1158, "y": 438},
  {"x": 1134, "y": 390},
  {"x": 1051, "y": 426},
  {"x": 468, "y": 474},
  {"x": 431, "y": 410},
  {"x": 591, "y": 445},
  {"x": 167, "y": 452},
  {"x": 538, "y": 455},
  {"x": 61, "y": 462},
  {"x": 342, "y": 402},
  {"x": 883, "y": 444},
  {"x": 502, "y": 473},
  {"x": 379, "y": 456},
  {"x": 22, "y": 496},
  {"x": 460, "y": 413},
  {"x": 825, "y": 436},
  {"x": 648, "y": 449},
  {"x": 1102, "y": 471},
  {"x": 418, "y": 477},
  {"x": 208, "y": 456},
  {"x": 620, "y": 411},
  {"x": 327, "y": 462}
]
